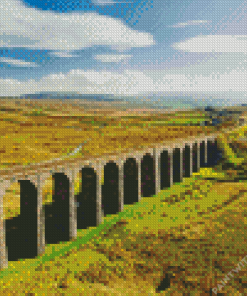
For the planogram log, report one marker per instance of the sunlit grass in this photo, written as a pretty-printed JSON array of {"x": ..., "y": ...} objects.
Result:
[{"x": 33, "y": 139}]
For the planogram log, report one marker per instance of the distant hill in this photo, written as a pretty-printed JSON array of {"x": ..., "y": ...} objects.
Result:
[
  {"x": 62, "y": 95},
  {"x": 158, "y": 100}
]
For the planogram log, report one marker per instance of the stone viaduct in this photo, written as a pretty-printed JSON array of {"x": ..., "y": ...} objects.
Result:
[{"x": 127, "y": 177}]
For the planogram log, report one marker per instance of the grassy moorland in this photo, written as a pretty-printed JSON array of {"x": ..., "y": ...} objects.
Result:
[
  {"x": 36, "y": 133},
  {"x": 191, "y": 234},
  {"x": 33, "y": 132}
]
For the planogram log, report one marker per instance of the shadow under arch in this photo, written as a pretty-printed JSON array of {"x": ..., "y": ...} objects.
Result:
[
  {"x": 147, "y": 176},
  {"x": 165, "y": 169},
  {"x": 21, "y": 231},
  {"x": 130, "y": 181},
  {"x": 176, "y": 165},
  {"x": 110, "y": 189},
  {"x": 195, "y": 158},
  {"x": 218, "y": 153},
  {"x": 87, "y": 199},
  {"x": 57, "y": 213},
  {"x": 202, "y": 154},
  {"x": 210, "y": 150},
  {"x": 186, "y": 161}
]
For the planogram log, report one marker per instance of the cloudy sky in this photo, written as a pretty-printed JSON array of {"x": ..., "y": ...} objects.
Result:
[{"x": 123, "y": 47}]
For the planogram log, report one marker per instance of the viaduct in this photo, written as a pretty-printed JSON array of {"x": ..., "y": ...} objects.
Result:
[{"x": 127, "y": 177}]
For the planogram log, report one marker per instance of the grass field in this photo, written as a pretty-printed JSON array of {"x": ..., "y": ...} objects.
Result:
[
  {"x": 31, "y": 136},
  {"x": 33, "y": 133},
  {"x": 192, "y": 234}
]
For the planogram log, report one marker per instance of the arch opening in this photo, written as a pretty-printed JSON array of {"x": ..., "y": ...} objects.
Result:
[
  {"x": 110, "y": 189},
  {"x": 130, "y": 181},
  {"x": 195, "y": 158},
  {"x": 186, "y": 161},
  {"x": 57, "y": 213},
  {"x": 165, "y": 170},
  {"x": 87, "y": 199},
  {"x": 22, "y": 231},
  {"x": 176, "y": 165},
  {"x": 202, "y": 154},
  {"x": 210, "y": 149},
  {"x": 218, "y": 153},
  {"x": 147, "y": 176}
]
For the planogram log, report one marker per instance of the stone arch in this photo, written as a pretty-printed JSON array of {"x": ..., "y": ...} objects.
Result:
[
  {"x": 87, "y": 199},
  {"x": 57, "y": 213},
  {"x": 186, "y": 161},
  {"x": 194, "y": 158},
  {"x": 110, "y": 189},
  {"x": 22, "y": 231},
  {"x": 202, "y": 154},
  {"x": 147, "y": 176},
  {"x": 130, "y": 181},
  {"x": 176, "y": 165},
  {"x": 165, "y": 169}
]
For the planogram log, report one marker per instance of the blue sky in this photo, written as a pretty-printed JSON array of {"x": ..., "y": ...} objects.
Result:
[{"x": 123, "y": 47}]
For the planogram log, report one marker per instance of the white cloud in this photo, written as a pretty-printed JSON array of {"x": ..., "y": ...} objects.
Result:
[
  {"x": 214, "y": 43},
  {"x": 233, "y": 81},
  {"x": 64, "y": 54},
  {"x": 126, "y": 83},
  {"x": 91, "y": 81},
  {"x": 21, "y": 26},
  {"x": 107, "y": 2},
  {"x": 189, "y": 23},
  {"x": 114, "y": 58},
  {"x": 17, "y": 63}
]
